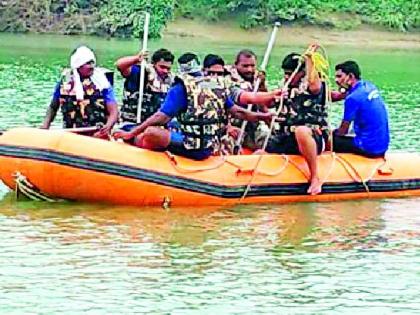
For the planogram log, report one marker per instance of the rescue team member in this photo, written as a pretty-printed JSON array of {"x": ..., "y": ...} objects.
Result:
[
  {"x": 245, "y": 74},
  {"x": 84, "y": 95},
  {"x": 364, "y": 106},
  {"x": 158, "y": 80},
  {"x": 303, "y": 127},
  {"x": 201, "y": 105}
]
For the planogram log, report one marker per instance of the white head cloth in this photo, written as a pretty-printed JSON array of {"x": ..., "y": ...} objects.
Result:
[{"x": 81, "y": 56}]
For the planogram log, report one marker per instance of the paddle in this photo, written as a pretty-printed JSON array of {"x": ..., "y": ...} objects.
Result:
[
  {"x": 264, "y": 63},
  {"x": 143, "y": 64}
]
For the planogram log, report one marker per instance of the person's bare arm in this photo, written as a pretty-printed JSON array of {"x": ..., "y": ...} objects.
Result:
[
  {"x": 124, "y": 64},
  {"x": 51, "y": 113},
  {"x": 112, "y": 109},
  {"x": 337, "y": 96},
  {"x": 259, "y": 98},
  {"x": 343, "y": 129},
  {"x": 157, "y": 119},
  {"x": 314, "y": 82},
  {"x": 244, "y": 114}
]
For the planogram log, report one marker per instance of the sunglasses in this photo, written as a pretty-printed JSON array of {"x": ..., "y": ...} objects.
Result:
[{"x": 216, "y": 73}]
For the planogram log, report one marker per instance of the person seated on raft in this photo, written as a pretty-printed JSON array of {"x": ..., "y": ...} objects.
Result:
[
  {"x": 303, "y": 127},
  {"x": 244, "y": 73},
  {"x": 188, "y": 63},
  {"x": 158, "y": 80},
  {"x": 364, "y": 106},
  {"x": 201, "y": 105},
  {"x": 85, "y": 96}
]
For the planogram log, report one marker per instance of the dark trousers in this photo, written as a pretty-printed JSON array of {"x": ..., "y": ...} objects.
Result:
[
  {"x": 287, "y": 144},
  {"x": 345, "y": 144}
]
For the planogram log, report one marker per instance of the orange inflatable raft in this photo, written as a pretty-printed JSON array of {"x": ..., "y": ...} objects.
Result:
[{"x": 70, "y": 166}]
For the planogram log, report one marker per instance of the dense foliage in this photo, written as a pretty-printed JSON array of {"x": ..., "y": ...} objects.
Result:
[
  {"x": 125, "y": 17},
  {"x": 399, "y": 14}
]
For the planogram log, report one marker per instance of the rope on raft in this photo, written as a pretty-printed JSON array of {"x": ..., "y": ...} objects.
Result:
[
  {"x": 24, "y": 187},
  {"x": 348, "y": 167},
  {"x": 364, "y": 181},
  {"x": 222, "y": 161},
  {"x": 285, "y": 87},
  {"x": 321, "y": 67},
  {"x": 180, "y": 169}
]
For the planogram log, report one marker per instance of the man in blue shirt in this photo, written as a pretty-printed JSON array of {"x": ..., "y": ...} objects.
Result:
[
  {"x": 85, "y": 96},
  {"x": 363, "y": 106},
  {"x": 158, "y": 80},
  {"x": 202, "y": 124}
]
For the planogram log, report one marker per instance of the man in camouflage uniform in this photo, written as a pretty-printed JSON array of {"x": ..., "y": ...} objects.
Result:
[
  {"x": 188, "y": 63},
  {"x": 158, "y": 80},
  {"x": 85, "y": 96},
  {"x": 303, "y": 127},
  {"x": 244, "y": 73},
  {"x": 201, "y": 105}
]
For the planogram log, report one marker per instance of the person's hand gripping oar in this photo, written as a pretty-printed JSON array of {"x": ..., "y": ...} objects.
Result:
[
  {"x": 238, "y": 144},
  {"x": 310, "y": 50}
]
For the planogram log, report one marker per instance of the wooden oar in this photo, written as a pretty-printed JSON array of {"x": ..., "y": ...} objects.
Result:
[{"x": 143, "y": 65}]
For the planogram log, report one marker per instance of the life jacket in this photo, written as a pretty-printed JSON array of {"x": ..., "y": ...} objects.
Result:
[
  {"x": 155, "y": 90},
  {"x": 204, "y": 122},
  {"x": 81, "y": 113},
  {"x": 303, "y": 109},
  {"x": 251, "y": 127},
  {"x": 239, "y": 80}
]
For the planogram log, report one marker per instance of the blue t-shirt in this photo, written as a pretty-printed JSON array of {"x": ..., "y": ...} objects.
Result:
[
  {"x": 108, "y": 94},
  {"x": 176, "y": 101},
  {"x": 365, "y": 107},
  {"x": 132, "y": 81}
]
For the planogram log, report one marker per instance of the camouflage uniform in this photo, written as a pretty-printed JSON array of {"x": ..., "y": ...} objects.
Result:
[
  {"x": 303, "y": 109},
  {"x": 155, "y": 91},
  {"x": 252, "y": 132},
  {"x": 239, "y": 80},
  {"x": 204, "y": 122},
  {"x": 81, "y": 113}
]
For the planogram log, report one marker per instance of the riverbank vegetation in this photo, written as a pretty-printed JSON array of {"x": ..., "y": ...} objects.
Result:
[
  {"x": 124, "y": 18},
  {"x": 116, "y": 18},
  {"x": 403, "y": 15}
]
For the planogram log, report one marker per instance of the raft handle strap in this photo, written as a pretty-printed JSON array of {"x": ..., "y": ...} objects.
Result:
[{"x": 180, "y": 169}]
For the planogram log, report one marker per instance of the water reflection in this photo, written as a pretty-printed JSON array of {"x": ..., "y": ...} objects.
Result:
[
  {"x": 306, "y": 227},
  {"x": 260, "y": 259}
]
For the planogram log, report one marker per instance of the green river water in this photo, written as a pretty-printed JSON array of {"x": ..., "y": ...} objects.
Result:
[{"x": 356, "y": 257}]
